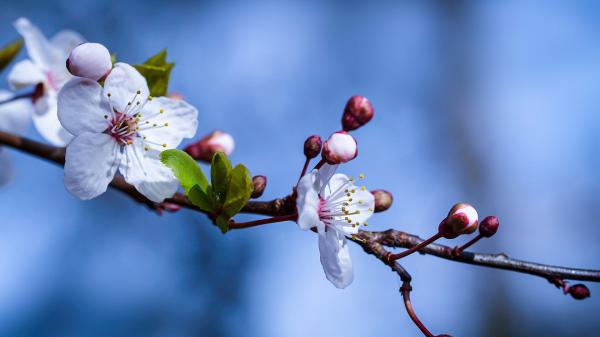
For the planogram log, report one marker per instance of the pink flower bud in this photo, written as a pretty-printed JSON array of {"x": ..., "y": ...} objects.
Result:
[
  {"x": 462, "y": 219},
  {"x": 579, "y": 291},
  {"x": 339, "y": 148},
  {"x": 89, "y": 60},
  {"x": 217, "y": 141},
  {"x": 383, "y": 200},
  {"x": 489, "y": 226},
  {"x": 312, "y": 146},
  {"x": 357, "y": 113},
  {"x": 259, "y": 183}
]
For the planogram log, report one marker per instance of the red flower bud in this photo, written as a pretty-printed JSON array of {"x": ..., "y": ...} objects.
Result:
[
  {"x": 462, "y": 219},
  {"x": 312, "y": 146},
  {"x": 383, "y": 200},
  {"x": 488, "y": 227},
  {"x": 259, "y": 183},
  {"x": 339, "y": 148},
  {"x": 357, "y": 113},
  {"x": 217, "y": 141},
  {"x": 579, "y": 291}
]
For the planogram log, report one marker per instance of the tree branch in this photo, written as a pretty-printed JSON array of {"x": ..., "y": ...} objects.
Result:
[{"x": 371, "y": 242}]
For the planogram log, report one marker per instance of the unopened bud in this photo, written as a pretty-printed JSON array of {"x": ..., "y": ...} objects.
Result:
[
  {"x": 489, "y": 226},
  {"x": 383, "y": 200},
  {"x": 216, "y": 141},
  {"x": 312, "y": 146},
  {"x": 357, "y": 113},
  {"x": 89, "y": 60},
  {"x": 339, "y": 148},
  {"x": 462, "y": 219},
  {"x": 579, "y": 291},
  {"x": 259, "y": 183}
]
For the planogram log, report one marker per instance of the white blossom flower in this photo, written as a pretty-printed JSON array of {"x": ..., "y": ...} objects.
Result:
[
  {"x": 337, "y": 208},
  {"x": 46, "y": 66},
  {"x": 14, "y": 117},
  {"x": 120, "y": 127}
]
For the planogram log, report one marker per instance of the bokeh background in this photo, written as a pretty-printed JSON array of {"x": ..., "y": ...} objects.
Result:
[{"x": 494, "y": 103}]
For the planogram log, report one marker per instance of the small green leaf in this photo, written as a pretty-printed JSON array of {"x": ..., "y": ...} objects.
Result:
[
  {"x": 157, "y": 72},
  {"x": 199, "y": 198},
  {"x": 220, "y": 174},
  {"x": 159, "y": 59},
  {"x": 9, "y": 52},
  {"x": 185, "y": 169},
  {"x": 239, "y": 190},
  {"x": 223, "y": 223},
  {"x": 113, "y": 58}
]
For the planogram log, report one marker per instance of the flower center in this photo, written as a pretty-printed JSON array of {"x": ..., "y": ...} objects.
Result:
[
  {"x": 122, "y": 128},
  {"x": 342, "y": 206}
]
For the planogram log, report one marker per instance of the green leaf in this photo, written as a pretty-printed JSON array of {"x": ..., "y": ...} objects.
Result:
[
  {"x": 113, "y": 58},
  {"x": 157, "y": 72},
  {"x": 239, "y": 190},
  {"x": 185, "y": 169},
  {"x": 220, "y": 174},
  {"x": 199, "y": 198},
  {"x": 159, "y": 59},
  {"x": 223, "y": 223},
  {"x": 9, "y": 52}
]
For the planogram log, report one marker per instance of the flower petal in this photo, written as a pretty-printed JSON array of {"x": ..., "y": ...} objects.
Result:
[
  {"x": 43, "y": 54},
  {"x": 177, "y": 120},
  {"x": 122, "y": 84},
  {"x": 25, "y": 74},
  {"x": 15, "y": 116},
  {"x": 147, "y": 173},
  {"x": 82, "y": 108},
  {"x": 47, "y": 124},
  {"x": 307, "y": 202},
  {"x": 325, "y": 173},
  {"x": 91, "y": 162},
  {"x": 66, "y": 40},
  {"x": 335, "y": 258}
]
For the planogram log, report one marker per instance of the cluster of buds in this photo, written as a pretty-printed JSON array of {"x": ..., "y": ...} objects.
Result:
[
  {"x": 90, "y": 60},
  {"x": 216, "y": 141}
]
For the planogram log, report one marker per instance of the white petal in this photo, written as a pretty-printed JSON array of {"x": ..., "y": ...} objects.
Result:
[
  {"x": 325, "y": 173},
  {"x": 91, "y": 162},
  {"x": 82, "y": 108},
  {"x": 335, "y": 258},
  {"x": 307, "y": 202},
  {"x": 47, "y": 124},
  {"x": 66, "y": 40},
  {"x": 39, "y": 49},
  {"x": 25, "y": 74},
  {"x": 6, "y": 169},
  {"x": 177, "y": 121},
  {"x": 16, "y": 115},
  {"x": 147, "y": 173},
  {"x": 123, "y": 83}
]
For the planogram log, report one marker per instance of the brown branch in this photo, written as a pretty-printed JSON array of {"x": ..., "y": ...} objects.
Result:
[{"x": 371, "y": 242}]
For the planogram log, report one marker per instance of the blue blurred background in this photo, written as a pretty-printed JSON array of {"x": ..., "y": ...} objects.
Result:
[{"x": 494, "y": 103}]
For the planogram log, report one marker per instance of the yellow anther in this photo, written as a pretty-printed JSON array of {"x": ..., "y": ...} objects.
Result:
[
  {"x": 363, "y": 188},
  {"x": 366, "y": 224},
  {"x": 166, "y": 124},
  {"x": 146, "y": 148},
  {"x": 149, "y": 98},
  {"x": 351, "y": 179},
  {"x": 138, "y": 92},
  {"x": 361, "y": 176},
  {"x": 108, "y": 94},
  {"x": 346, "y": 190},
  {"x": 353, "y": 191},
  {"x": 164, "y": 145},
  {"x": 370, "y": 209},
  {"x": 144, "y": 137},
  {"x": 154, "y": 124},
  {"x": 350, "y": 199},
  {"x": 128, "y": 103},
  {"x": 360, "y": 201},
  {"x": 161, "y": 110}
]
